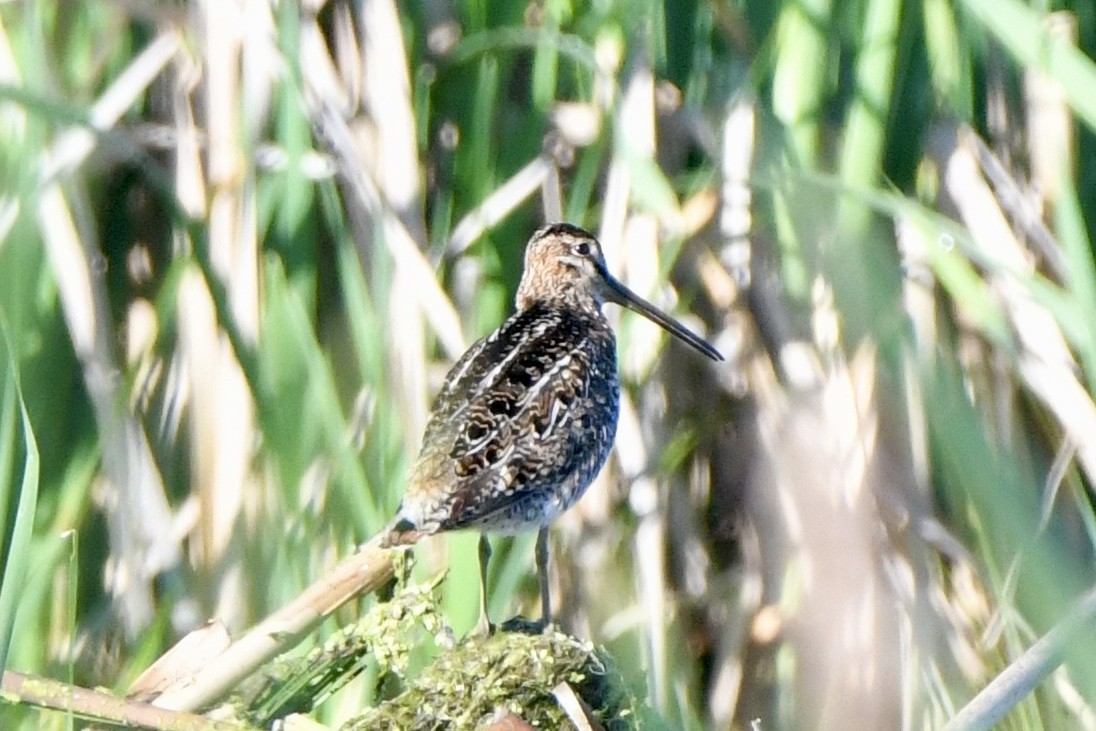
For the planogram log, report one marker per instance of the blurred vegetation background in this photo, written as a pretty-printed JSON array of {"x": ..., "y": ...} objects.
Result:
[{"x": 241, "y": 242}]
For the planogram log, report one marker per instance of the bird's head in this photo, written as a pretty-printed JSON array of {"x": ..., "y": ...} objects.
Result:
[
  {"x": 564, "y": 266},
  {"x": 563, "y": 263}
]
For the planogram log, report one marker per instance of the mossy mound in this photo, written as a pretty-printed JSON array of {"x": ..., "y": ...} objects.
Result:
[
  {"x": 465, "y": 685},
  {"x": 511, "y": 671}
]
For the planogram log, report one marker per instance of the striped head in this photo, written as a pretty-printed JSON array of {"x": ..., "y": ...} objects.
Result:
[{"x": 564, "y": 266}]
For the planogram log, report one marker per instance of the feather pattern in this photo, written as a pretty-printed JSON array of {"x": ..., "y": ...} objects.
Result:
[
  {"x": 522, "y": 426},
  {"x": 526, "y": 418}
]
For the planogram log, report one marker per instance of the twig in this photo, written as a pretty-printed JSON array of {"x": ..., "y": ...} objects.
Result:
[
  {"x": 1021, "y": 677},
  {"x": 576, "y": 709},
  {"x": 507, "y": 197},
  {"x": 358, "y": 574},
  {"x": 103, "y": 707},
  {"x": 185, "y": 658}
]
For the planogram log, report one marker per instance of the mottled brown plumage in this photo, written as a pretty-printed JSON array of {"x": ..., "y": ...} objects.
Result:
[{"x": 526, "y": 418}]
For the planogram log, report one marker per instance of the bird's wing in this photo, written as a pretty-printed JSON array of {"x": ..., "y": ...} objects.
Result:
[{"x": 511, "y": 418}]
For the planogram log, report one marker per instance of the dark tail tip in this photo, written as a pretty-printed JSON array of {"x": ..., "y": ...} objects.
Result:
[{"x": 400, "y": 532}]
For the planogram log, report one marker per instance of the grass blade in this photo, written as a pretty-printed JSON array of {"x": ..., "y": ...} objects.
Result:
[{"x": 18, "y": 557}]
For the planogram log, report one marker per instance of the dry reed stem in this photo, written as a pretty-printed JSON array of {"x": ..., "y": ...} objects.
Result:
[
  {"x": 1021, "y": 677},
  {"x": 1051, "y": 133},
  {"x": 138, "y": 515},
  {"x": 1045, "y": 363},
  {"x": 725, "y": 280},
  {"x": 386, "y": 98},
  {"x": 186, "y": 657},
  {"x": 633, "y": 239},
  {"x": 1023, "y": 212},
  {"x": 222, "y": 424},
  {"x": 736, "y": 212},
  {"x": 365, "y": 199},
  {"x": 74, "y": 146},
  {"x": 385, "y": 149},
  {"x": 577, "y": 710},
  {"x": 355, "y": 576},
  {"x": 501, "y": 203},
  {"x": 814, "y": 507},
  {"x": 103, "y": 707}
]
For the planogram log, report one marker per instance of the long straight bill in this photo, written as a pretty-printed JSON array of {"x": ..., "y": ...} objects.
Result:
[{"x": 616, "y": 292}]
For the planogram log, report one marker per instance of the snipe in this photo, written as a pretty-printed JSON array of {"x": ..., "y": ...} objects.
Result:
[{"x": 526, "y": 418}]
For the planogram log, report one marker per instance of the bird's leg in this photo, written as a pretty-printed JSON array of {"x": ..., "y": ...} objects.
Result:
[
  {"x": 483, "y": 626},
  {"x": 542, "y": 573}
]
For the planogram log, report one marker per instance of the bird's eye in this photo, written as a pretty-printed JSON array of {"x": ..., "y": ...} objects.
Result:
[{"x": 582, "y": 249}]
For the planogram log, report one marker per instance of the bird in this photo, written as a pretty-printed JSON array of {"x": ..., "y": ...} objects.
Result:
[{"x": 526, "y": 418}]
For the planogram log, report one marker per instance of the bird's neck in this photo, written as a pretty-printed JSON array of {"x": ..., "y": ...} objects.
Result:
[{"x": 565, "y": 300}]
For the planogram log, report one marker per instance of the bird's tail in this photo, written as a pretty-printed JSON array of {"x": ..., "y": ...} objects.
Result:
[{"x": 401, "y": 532}]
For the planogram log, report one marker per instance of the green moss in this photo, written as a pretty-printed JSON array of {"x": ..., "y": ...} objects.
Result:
[
  {"x": 388, "y": 633},
  {"x": 515, "y": 671}
]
